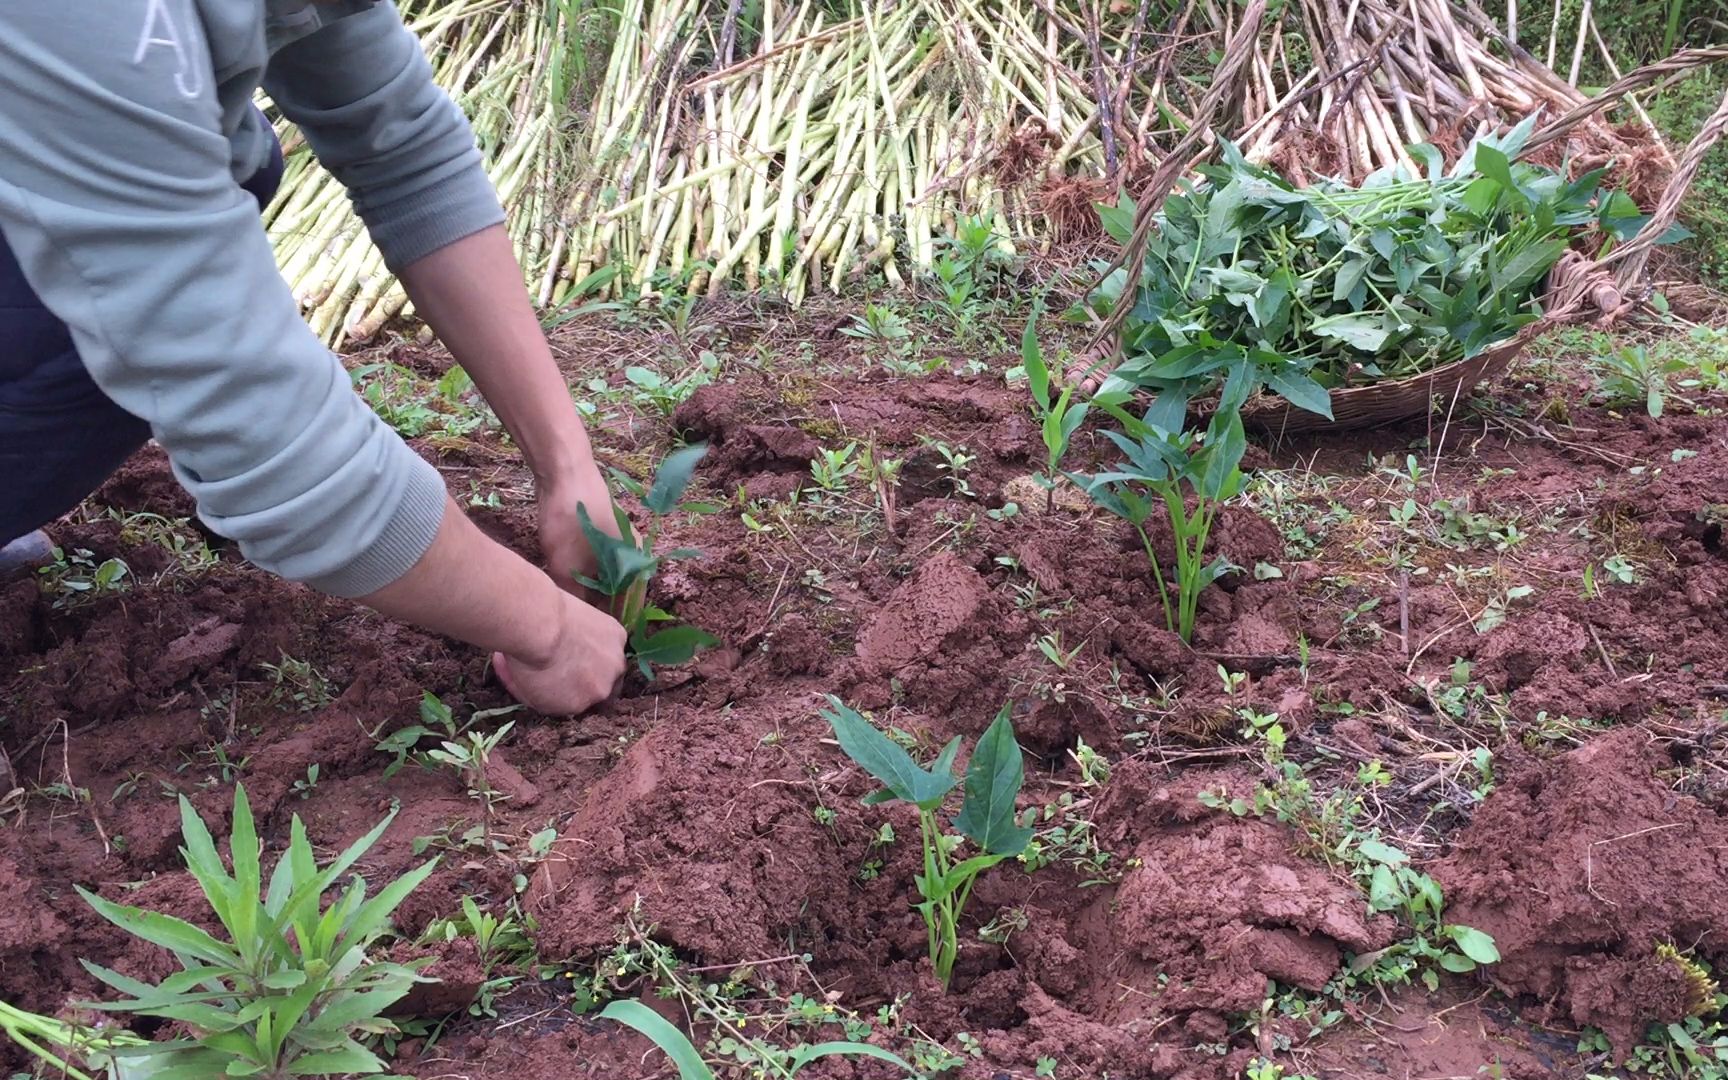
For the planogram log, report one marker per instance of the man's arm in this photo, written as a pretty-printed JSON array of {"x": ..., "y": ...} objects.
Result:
[
  {"x": 117, "y": 197},
  {"x": 362, "y": 92},
  {"x": 471, "y": 294}
]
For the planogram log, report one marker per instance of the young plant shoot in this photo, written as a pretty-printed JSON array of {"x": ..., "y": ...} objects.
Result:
[
  {"x": 1160, "y": 469},
  {"x": 1058, "y": 417},
  {"x": 986, "y": 818},
  {"x": 627, "y": 563},
  {"x": 292, "y": 988}
]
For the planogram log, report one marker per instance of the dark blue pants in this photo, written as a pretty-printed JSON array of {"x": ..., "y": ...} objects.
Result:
[{"x": 60, "y": 436}]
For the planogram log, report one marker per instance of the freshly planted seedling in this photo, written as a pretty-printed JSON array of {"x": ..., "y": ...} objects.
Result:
[
  {"x": 1159, "y": 465},
  {"x": 292, "y": 989},
  {"x": 627, "y": 562},
  {"x": 1058, "y": 417},
  {"x": 986, "y": 817}
]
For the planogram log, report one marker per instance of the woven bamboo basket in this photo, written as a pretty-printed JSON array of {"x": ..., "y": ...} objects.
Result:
[
  {"x": 1578, "y": 288},
  {"x": 1395, "y": 400}
]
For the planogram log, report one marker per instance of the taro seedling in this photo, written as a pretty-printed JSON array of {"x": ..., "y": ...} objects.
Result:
[
  {"x": 293, "y": 988},
  {"x": 627, "y": 562},
  {"x": 986, "y": 817}
]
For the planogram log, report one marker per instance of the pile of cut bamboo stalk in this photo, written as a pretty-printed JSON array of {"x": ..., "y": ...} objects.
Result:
[{"x": 682, "y": 144}]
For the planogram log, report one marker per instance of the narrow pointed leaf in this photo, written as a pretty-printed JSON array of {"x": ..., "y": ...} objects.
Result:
[
  {"x": 672, "y": 477},
  {"x": 993, "y": 779},
  {"x": 672, "y": 1042},
  {"x": 804, "y": 1055},
  {"x": 175, "y": 935}
]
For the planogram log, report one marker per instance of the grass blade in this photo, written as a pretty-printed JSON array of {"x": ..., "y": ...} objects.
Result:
[{"x": 671, "y": 1041}]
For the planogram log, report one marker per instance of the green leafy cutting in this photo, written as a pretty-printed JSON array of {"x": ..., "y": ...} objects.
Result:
[
  {"x": 986, "y": 818},
  {"x": 627, "y": 562}
]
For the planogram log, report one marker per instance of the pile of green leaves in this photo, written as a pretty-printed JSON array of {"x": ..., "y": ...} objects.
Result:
[
  {"x": 1301, "y": 290},
  {"x": 292, "y": 989},
  {"x": 628, "y": 561},
  {"x": 993, "y": 778}
]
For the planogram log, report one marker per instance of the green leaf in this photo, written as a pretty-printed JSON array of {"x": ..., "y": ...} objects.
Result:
[
  {"x": 1350, "y": 276},
  {"x": 1522, "y": 270},
  {"x": 674, "y": 645},
  {"x": 1490, "y": 162},
  {"x": 1475, "y": 944},
  {"x": 1382, "y": 853},
  {"x": 1383, "y": 894},
  {"x": 352, "y": 1058},
  {"x": 199, "y": 853},
  {"x": 175, "y": 935},
  {"x": 884, "y": 759},
  {"x": 1037, "y": 372},
  {"x": 283, "y": 980},
  {"x": 993, "y": 779},
  {"x": 620, "y": 561},
  {"x": 1300, "y": 390},
  {"x": 672, "y": 1042},
  {"x": 1457, "y": 963},
  {"x": 673, "y": 476},
  {"x": 1365, "y": 332}
]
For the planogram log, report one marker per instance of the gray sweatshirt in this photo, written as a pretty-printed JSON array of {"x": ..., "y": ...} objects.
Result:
[{"x": 125, "y": 130}]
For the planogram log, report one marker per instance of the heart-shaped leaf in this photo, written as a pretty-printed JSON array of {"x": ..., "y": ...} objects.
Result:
[{"x": 886, "y": 760}]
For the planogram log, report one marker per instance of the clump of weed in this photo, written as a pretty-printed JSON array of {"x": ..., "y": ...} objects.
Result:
[{"x": 293, "y": 989}]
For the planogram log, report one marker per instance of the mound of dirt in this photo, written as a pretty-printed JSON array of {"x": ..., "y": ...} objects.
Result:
[
  {"x": 1216, "y": 905},
  {"x": 1580, "y": 867}
]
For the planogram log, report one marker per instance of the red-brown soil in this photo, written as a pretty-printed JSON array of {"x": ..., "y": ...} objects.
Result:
[{"x": 691, "y": 806}]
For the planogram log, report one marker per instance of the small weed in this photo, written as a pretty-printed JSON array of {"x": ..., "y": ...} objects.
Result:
[
  {"x": 468, "y": 757},
  {"x": 504, "y": 948},
  {"x": 297, "y": 683},
  {"x": 956, "y": 463},
  {"x": 1636, "y": 375},
  {"x": 75, "y": 577},
  {"x": 1331, "y": 828},
  {"x": 1051, "y": 646},
  {"x": 407, "y": 403},
  {"x": 305, "y": 786},
  {"x": 437, "y": 721},
  {"x": 748, "y": 1024}
]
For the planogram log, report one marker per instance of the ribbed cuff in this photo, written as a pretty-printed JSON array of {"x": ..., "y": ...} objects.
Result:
[
  {"x": 414, "y": 226},
  {"x": 407, "y": 534}
]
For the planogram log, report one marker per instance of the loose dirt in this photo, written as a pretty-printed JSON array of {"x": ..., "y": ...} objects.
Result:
[{"x": 715, "y": 808}]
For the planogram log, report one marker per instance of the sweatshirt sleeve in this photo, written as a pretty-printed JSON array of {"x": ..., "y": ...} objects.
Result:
[
  {"x": 361, "y": 91},
  {"x": 116, "y": 196}
]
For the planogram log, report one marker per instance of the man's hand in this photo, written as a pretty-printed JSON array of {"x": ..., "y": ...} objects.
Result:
[
  {"x": 562, "y": 540},
  {"x": 585, "y": 668},
  {"x": 555, "y": 653}
]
